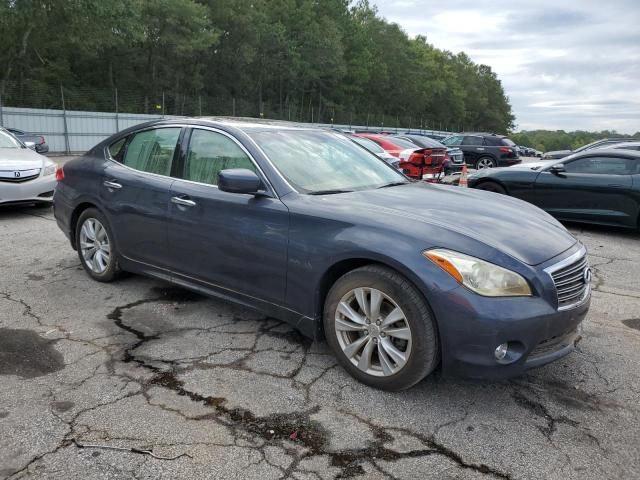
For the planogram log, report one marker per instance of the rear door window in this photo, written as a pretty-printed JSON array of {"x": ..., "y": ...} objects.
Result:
[
  {"x": 152, "y": 151},
  {"x": 472, "y": 140},
  {"x": 116, "y": 149},
  {"x": 211, "y": 152}
]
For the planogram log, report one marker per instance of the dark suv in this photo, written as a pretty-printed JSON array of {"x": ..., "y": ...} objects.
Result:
[{"x": 485, "y": 150}]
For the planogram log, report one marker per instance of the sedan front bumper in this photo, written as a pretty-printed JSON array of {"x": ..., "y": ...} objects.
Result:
[
  {"x": 472, "y": 326},
  {"x": 38, "y": 190}
]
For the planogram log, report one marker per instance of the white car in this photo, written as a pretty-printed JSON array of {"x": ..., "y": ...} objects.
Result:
[{"x": 26, "y": 177}]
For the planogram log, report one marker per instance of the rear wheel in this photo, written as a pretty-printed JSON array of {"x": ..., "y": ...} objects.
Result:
[
  {"x": 485, "y": 162},
  {"x": 380, "y": 328},
  {"x": 492, "y": 187},
  {"x": 96, "y": 249}
]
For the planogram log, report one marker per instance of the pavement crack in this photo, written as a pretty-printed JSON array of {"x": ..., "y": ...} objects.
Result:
[{"x": 539, "y": 410}]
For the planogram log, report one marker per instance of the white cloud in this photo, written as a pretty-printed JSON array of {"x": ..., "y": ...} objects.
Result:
[{"x": 562, "y": 66}]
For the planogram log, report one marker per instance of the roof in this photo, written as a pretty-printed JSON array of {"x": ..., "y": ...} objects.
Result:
[
  {"x": 610, "y": 151},
  {"x": 256, "y": 123},
  {"x": 484, "y": 134}
]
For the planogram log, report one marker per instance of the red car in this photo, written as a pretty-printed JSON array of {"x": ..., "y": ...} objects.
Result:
[{"x": 415, "y": 162}]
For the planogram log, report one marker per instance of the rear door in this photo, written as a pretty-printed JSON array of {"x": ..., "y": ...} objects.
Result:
[
  {"x": 594, "y": 189},
  {"x": 135, "y": 192},
  {"x": 474, "y": 148},
  {"x": 229, "y": 241}
]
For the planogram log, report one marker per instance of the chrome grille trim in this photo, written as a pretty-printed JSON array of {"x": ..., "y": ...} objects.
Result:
[
  {"x": 568, "y": 277},
  {"x": 21, "y": 179}
]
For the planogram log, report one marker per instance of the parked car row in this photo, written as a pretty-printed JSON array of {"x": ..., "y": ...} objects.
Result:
[
  {"x": 529, "y": 152},
  {"x": 422, "y": 157}
]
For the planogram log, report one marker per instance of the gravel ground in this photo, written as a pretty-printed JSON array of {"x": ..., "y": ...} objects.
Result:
[{"x": 221, "y": 392}]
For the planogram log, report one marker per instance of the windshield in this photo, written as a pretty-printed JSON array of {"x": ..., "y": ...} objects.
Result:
[
  {"x": 319, "y": 161},
  {"x": 589, "y": 146},
  {"x": 368, "y": 144},
  {"x": 8, "y": 141}
]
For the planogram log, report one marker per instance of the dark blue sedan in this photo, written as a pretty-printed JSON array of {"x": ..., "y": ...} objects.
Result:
[{"x": 308, "y": 227}]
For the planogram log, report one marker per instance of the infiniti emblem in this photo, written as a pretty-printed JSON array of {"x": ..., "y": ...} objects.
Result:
[{"x": 586, "y": 275}]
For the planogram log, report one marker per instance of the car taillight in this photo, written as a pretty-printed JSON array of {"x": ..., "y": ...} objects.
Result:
[
  {"x": 59, "y": 173},
  {"x": 416, "y": 158},
  {"x": 505, "y": 150}
]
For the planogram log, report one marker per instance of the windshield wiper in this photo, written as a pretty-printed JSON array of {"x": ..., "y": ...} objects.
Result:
[
  {"x": 329, "y": 192},
  {"x": 393, "y": 184}
]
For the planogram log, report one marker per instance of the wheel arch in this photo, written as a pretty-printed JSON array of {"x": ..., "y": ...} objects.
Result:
[
  {"x": 75, "y": 215},
  {"x": 343, "y": 266},
  {"x": 494, "y": 180}
]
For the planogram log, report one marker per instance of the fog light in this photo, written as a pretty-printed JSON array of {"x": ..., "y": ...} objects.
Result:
[{"x": 501, "y": 351}]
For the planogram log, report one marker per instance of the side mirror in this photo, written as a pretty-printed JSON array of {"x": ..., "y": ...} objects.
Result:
[
  {"x": 239, "y": 180},
  {"x": 557, "y": 168},
  {"x": 31, "y": 145}
]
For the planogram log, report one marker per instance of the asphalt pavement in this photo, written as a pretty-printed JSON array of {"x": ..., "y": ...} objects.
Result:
[{"x": 95, "y": 378}]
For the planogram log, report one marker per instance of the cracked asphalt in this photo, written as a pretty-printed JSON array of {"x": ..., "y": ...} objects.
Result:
[{"x": 216, "y": 391}]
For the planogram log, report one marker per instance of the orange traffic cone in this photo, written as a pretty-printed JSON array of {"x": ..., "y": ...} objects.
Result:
[{"x": 463, "y": 177}]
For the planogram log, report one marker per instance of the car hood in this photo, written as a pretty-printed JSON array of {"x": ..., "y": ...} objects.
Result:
[
  {"x": 531, "y": 166},
  {"x": 509, "y": 225},
  {"x": 21, "y": 159}
]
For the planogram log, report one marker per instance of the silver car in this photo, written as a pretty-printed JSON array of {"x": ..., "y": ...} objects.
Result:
[{"x": 26, "y": 177}]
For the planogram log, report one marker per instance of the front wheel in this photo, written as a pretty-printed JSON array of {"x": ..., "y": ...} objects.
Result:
[
  {"x": 96, "y": 248},
  {"x": 380, "y": 328}
]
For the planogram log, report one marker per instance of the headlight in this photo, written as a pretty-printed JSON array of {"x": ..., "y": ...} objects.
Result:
[
  {"x": 482, "y": 277},
  {"x": 49, "y": 170}
]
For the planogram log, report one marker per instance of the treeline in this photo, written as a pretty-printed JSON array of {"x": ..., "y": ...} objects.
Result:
[
  {"x": 296, "y": 59},
  {"x": 547, "y": 140}
]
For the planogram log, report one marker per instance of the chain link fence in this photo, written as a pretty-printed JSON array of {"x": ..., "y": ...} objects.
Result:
[{"x": 64, "y": 114}]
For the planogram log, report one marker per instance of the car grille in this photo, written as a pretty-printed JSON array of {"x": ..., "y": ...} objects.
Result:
[
  {"x": 554, "y": 344},
  {"x": 572, "y": 282},
  {"x": 9, "y": 177}
]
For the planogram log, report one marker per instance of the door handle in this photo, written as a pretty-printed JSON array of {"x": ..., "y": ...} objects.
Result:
[
  {"x": 480, "y": 149},
  {"x": 183, "y": 202},
  {"x": 112, "y": 185}
]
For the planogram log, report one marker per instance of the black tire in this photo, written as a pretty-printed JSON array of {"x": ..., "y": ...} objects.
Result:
[
  {"x": 487, "y": 160},
  {"x": 491, "y": 186},
  {"x": 424, "y": 353},
  {"x": 112, "y": 270}
]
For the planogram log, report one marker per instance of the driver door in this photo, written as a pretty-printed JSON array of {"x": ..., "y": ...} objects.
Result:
[{"x": 226, "y": 241}]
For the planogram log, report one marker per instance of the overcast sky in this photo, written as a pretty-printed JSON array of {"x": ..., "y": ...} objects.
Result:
[{"x": 564, "y": 64}]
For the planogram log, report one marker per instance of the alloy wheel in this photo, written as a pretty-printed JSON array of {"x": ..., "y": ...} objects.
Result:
[
  {"x": 95, "y": 245},
  {"x": 485, "y": 163},
  {"x": 373, "y": 332}
]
